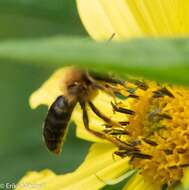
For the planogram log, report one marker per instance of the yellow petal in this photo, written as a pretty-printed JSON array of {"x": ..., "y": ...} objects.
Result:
[
  {"x": 49, "y": 91},
  {"x": 138, "y": 182},
  {"x": 98, "y": 168},
  {"x": 100, "y": 27},
  {"x": 35, "y": 179},
  {"x": 185, "y": 180},
  {"x": 134, "y": 18}
]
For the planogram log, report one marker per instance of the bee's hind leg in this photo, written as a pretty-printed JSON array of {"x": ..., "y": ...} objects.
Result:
[
  {"x": 102, "y": 116},
  {"x": 104, "y": 136},
  {"x": 86, "y": 121}
]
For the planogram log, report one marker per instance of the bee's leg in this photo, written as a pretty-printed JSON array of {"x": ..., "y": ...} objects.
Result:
[
  {"x": 110, "y": 88},
  {"x": 110, "y": 91},
  {"x": 115, "y": 141},
  {"x": 106, "y": 83},
  {"x": 111, "y": 37},
  {"x": 86, "y": 122},
  {"x": 102, "y": 116}
]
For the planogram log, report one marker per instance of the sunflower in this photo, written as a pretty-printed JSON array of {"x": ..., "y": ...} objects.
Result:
[
  {"x": 134, "y": 18},
  {"x": 153, "y": 117},
  {"x": 154, "y": 131}
]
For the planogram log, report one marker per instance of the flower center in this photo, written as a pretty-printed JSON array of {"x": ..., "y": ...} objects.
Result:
[{"x": 158, "y": 129}]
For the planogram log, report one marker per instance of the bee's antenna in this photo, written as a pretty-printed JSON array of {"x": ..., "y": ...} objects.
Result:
[{"x": 111, "y": 37}]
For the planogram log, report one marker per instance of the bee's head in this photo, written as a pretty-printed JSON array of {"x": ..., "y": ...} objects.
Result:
[{"x": 75, "y": 82}]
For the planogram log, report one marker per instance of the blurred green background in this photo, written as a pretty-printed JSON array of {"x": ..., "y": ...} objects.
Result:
[
  {"x": 21, "y": 146},
  {"x": 39, "y": 18}
]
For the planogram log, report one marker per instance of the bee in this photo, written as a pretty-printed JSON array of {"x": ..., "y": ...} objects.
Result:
[{"x": 80, "y": 87}]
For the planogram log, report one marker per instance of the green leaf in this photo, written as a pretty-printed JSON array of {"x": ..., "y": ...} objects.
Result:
[
  {"x": 159, "y": 59},
  {"x": 35, "y": 18}
]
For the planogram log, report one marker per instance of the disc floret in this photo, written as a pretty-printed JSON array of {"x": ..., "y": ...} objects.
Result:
[{"x": 157, "y": 129}]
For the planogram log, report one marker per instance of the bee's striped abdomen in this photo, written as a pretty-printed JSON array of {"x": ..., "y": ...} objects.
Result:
[{"x": 56, "y": 124}]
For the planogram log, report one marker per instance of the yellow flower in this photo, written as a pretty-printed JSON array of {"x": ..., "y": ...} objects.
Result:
[
  {"x": 134, "y": 18},
  {"x": 154, "y": 126},
  {"x": 154, "y": 120}
]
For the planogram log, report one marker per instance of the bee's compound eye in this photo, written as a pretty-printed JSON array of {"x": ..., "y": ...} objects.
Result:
[
  {"x": 73, "y": 85},
  {"x": 74, "y": 88}
]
